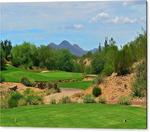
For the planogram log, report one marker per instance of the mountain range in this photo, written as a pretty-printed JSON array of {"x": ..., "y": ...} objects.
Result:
[{"x": 73, "y": 48}]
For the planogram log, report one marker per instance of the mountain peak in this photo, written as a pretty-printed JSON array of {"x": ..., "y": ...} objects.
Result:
[
  {"x": 77, "y": 46},
  {"x": 65, "y": 43},
  {"x": 74, "y": 49}
]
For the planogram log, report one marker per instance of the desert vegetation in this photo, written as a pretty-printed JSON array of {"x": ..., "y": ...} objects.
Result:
[{"x": 38, "y": 75}]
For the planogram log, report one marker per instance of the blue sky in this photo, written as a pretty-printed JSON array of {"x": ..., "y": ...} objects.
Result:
[{"x": 82, "y": 23}]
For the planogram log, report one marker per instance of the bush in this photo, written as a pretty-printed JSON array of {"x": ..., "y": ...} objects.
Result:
[
  {"x": 4, "y": 97},
  {"x": 102, "y": 100},
  {"x": 2, "y": 79},
  {"x": 32, "y": 98},
  {"x": 48, "y": 91},
  {"x": 108, "y": 70},
  {"x": 51, "y": 91},
  {"x": 124, "y": 100},
  {"x": 26, "y": 81},
  {"x": 140, "y": 83},
  {"x": 88, "y": 99},
  {"x": 14, "y": 99},
  {"x": 53, "y": 101},
  {"x": 22, "y": 102},
  {"x": 65, "y": 100},
  {"x": 98, "y": 80},
  {"x": 139, "y": 88},
  {"x": 96, "y": 91}
]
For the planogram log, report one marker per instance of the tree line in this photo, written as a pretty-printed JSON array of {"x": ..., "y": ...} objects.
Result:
[
  {"x": 27, "y": 55},
  {"x": 106, "y": 60},
  {"x": 111, "y": 58}
]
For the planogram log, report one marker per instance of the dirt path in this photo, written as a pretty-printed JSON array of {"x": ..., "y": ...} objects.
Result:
[{"x": 64, "y": 92}]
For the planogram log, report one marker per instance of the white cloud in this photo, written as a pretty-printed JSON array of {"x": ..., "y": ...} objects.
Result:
[
  {"x": 143, "y": 19},
  {"x": 123, "y": 20},
  {"x": 126, "y": 3},
  {"x": 78, "y": 26},
  {"x": 133, "y": 2},
  {"x": 107, "y": 18},
  {"x": 100, "y": 16},
  {"x": 75, "y": 26}
]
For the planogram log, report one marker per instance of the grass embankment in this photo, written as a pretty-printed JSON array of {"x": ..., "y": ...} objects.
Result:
[
  {"x": 75, "y": 116},
  {"x": 78, "y": 84},
  {"x": 13, "y": 74}
]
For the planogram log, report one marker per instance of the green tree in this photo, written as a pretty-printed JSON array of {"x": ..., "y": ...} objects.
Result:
[
  {"x": 22, "y": 55},
  {"x": 2, "y": 59},
  {"x": 97, "y": 63},
  {"x": 65, "y": 61},
  {"x": 6, "y": 46},
  {"x": 47, "y": 57},
  {"x": 106, "y": 42},
  {"x": 123, "y": 61}
]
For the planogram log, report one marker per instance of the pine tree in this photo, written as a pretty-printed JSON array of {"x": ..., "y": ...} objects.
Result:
[
  {"x": 100, "y": 48},
  {"x": 106, "y": 42}
]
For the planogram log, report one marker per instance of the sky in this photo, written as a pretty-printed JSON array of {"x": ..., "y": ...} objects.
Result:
[{"x": 83, "y": 23}]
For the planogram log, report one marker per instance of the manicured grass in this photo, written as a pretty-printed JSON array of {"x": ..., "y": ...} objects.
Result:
[
  {"x": 13, "y": 74},
  {"x": 79, "y": 84},
  {"x": 75, "y": 116}
]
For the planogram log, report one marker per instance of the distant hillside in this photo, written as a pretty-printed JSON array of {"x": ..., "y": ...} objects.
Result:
[{"x": 73, "y": 48}]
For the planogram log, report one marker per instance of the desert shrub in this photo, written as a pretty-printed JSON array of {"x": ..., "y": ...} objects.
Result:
[
  {"x": 124, "y": 100},
  {"x": 51, "y": 91},
  {"x": 2, "y": 79},
  {"x": 139, "y": 85},
  {"x": 14, "y": 99},
  {"x": 96, "y": 91},
  {"x": 88, "y": 99},
  {"x": 48, "y": 91},
  {"x": 26, "y": 81},
  {"x": 78, "y": 95},
  {"x": 53, "y": 101},
  {"x": 138, "y": 88},
  {"x": 108, "y": 70},
  {"x": 32, "y": 98},
  {"x": 102, "y": 100},
  {"x": 98, "y": 79},
  {"x": 22, "y": 102},
  {"x": 65, "y": 100},
  {"x": 4, "y": 97},
  {"x": 55, "y": 89}
]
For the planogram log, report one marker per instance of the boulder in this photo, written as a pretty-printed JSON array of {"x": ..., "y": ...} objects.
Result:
[{"x": 13, "y": 88}]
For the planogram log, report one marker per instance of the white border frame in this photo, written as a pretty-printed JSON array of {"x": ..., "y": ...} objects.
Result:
[{"x": 22, "y": 129}]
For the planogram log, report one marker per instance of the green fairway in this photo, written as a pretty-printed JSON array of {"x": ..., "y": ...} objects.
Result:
[
  {"x": 75, "y": 116},
  {"x": 79, "y": 84},
  {"x": 13, "y": 74}
]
